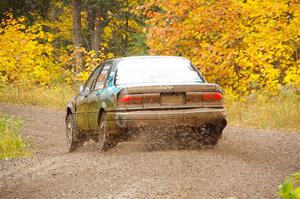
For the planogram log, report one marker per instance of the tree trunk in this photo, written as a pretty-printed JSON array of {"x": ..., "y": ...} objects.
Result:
[
  {"x": 100, "y": 22},
  {"x": 97, "y": 32},
  {"x": 54, "y": 11},
  {"x": 91, "y": 24},
  {"x": 77, "y": 35},
  {"x": 126, "y": 42},
  {"x": 126, "y": 45}
]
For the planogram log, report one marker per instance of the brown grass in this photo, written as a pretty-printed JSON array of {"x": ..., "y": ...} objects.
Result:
[
  {"x": 280, "y": 112},
  {"x": 54, "y": 97}
]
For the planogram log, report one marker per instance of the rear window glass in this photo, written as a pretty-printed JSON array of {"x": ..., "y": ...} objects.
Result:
[{"x": 156, "y": 71}]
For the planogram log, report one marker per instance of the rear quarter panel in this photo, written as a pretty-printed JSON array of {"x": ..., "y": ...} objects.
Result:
[{"x": 102, "y": 100}]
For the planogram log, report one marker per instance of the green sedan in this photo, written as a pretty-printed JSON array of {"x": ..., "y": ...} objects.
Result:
[{"x": 148, "y": 91}]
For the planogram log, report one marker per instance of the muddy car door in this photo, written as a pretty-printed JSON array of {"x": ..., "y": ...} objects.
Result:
[
  {"x": 82, "y": 102},
  {"x": 94, "y": 97}
]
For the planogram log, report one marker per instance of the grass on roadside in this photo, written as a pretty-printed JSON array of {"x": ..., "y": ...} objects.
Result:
[
  {"x": 54, "y": 97},
  {"x": 260, "y": 111},
  {"x": 290, "y": 188},
  {"x": 11, "y": 143}
]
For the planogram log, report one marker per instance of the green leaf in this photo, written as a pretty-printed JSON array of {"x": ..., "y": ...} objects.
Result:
[{"x": 297, "y": 192}]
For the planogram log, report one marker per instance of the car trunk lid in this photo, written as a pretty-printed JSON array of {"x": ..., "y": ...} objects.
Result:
[{"x": 171, "y": 96}]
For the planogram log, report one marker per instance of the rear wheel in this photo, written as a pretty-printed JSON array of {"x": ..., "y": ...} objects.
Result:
[
  {"x": 71, "y": 133},
  {"x": 105, "y": 141}
]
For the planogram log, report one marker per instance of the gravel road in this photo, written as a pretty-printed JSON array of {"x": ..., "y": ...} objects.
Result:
[{"x": 247, "y": 163}]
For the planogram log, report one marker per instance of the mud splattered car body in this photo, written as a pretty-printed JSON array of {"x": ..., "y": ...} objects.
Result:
[{"x": 149, "y": 91}]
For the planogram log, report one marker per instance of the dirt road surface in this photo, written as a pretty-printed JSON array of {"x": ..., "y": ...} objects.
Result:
[{"x": 247, "y": 163}]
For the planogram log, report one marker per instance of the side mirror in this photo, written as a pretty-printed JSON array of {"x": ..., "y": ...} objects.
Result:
[{"x": 81, "y": 88}]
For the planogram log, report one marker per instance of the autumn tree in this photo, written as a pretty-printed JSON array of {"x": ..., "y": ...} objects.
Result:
[
  {"x": 26, "y": 54},
  {"x": 243, "y": 45}
]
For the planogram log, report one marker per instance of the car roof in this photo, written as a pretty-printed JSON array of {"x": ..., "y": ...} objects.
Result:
[{"x": 145, "y": 57}]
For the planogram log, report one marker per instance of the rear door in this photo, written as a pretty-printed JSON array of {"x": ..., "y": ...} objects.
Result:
[
  {"x": 94, "y": 97},
  {"x": 82, "y": 102}
]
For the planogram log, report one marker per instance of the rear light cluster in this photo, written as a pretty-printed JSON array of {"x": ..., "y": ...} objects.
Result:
[
  {"x": 139, "y": 100},
  {"x": 154, "y": 99},
  {"x": 212, "y": 96},
  {"x": 127, "y": 101},
  {"x": 199, "y": 97},
  {"x": 131, "y": 99}
]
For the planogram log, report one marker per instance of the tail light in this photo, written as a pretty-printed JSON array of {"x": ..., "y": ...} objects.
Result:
[
  {"x": 204, "y": 99},
  {"x": 212, "y": 96},
  {"x": 130, "y": 101}
]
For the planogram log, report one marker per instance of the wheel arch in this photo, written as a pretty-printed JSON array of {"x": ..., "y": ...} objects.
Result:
[
  {"x": 69, "y": 110},
  {"x": 101, "y": 110}
]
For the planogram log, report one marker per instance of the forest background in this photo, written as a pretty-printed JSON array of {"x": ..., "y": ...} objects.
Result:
[{"x": 250, "y": 47}]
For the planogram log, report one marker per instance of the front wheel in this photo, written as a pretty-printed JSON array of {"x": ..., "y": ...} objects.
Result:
[
  {"x": 105, "y": 141},
  {"x": 71, "y": 133}
]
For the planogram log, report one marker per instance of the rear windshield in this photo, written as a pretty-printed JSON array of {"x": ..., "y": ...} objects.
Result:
[{"x": 156, "y": 71}]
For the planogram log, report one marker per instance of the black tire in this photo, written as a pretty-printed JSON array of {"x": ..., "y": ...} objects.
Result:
[
  {"x": 105, "y": 141},
  {"x": 71, "y": 134}
]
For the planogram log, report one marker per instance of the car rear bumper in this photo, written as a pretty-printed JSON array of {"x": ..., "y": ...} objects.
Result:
[{"x": 164, "y": 118}]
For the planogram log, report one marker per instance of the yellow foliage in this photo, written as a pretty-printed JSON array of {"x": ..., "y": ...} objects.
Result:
[
  {"x": 91, "y": 62},
  {"x": 30, "y": 55},
  {"x": 26, "y": 53},
  {"x": 63, "y": 26},
  {"x": 72, "y": 74},
  {"x": 244, "y": 46},
  {"x": 65, "y": 52}
]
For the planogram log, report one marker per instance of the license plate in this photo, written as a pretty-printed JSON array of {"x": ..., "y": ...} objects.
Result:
[{"x": 172, "y": 99}]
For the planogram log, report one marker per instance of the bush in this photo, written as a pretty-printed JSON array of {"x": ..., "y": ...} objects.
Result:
[
  {"x": 26, "y": 53},
  {"x": 290, "y": 188},
  {"x": 11, "y": 143}
]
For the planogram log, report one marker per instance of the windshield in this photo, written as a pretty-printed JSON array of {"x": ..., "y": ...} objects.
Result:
[{"x": 156, "y": 71}]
